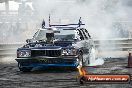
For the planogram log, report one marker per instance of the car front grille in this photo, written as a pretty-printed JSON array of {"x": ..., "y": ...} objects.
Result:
[
  {"x": 56, "y": 61},
  {"x": 50, "y": 53}
]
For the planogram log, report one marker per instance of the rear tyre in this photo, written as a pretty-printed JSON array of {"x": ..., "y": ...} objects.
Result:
[
  {"x": 80, "y": 60},
  {"x": 81, "y": 80}
]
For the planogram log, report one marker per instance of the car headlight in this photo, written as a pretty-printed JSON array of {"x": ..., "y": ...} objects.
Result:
[
  {"x": 23, "y": 53},
  {"x": 69, "y": 52}
]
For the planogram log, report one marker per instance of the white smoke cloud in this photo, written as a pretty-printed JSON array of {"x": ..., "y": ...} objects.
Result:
[
  {"x": 98, "y": 15},
  {"x": 103, "y": 18}
]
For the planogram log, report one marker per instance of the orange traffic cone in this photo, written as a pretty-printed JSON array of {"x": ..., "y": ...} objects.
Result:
[{"x": 129, "y": 61}]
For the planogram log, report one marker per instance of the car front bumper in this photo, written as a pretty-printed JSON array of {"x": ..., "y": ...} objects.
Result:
[{"x": 70, "y": 61}]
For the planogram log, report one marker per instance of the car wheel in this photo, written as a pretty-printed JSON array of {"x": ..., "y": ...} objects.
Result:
[
  {"x": 24, "y": 69},
  {"x": 81, "y": 80}
]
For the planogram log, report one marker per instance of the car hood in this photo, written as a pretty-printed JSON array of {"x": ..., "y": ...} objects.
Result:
[{"x": 55, "y": 45}]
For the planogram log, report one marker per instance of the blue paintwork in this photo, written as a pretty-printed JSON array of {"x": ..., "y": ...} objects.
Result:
[
  {"x": 63, "y": 43},
  {"x": 48, "y": 65},
  {"x": 34, "y": 62},
  {"x": 56, "y": 45}
]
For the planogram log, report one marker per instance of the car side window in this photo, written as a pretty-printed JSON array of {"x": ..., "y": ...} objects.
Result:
[
  {"x": 84, "y": 33},
  {"x": 80, "y": 34},
  {"x": 87, "y": 33}
]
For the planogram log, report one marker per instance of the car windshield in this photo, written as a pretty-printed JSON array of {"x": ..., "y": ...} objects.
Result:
[
  {"x": 39, "y": 35},
  {"x": 62, "y": 34},
  {"x": 59, "y": 34},
  {"x": 65, "y": 37}
]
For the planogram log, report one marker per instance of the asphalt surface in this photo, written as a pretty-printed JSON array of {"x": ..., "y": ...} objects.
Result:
[{"x": 11, "y": 77}]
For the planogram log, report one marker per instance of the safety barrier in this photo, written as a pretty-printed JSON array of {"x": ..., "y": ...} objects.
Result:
[
  {"x": 122, "y": 44},
  {"x": 9, "y": 49}
]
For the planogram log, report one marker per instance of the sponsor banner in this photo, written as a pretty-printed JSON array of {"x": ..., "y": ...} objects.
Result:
[{"x": 105, "y": 78}]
